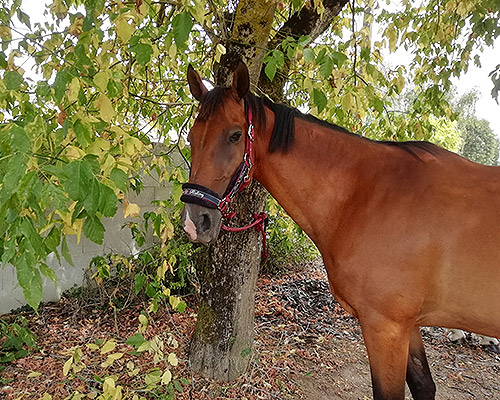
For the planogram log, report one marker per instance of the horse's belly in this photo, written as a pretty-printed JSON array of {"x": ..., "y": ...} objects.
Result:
[{"x": 466, "y": 291}]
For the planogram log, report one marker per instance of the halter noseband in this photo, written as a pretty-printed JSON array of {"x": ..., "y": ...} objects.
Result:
[{"x": 198, "y": 194}]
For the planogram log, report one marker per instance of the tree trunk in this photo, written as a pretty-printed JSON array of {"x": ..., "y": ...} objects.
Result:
[{"x": 223, "y": 337}]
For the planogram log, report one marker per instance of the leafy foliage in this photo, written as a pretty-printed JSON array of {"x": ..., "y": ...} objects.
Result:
[
  {"x": 287, "y": 245},
  {"x": 16, "y": 339},
  {"x": 480, "y": 144},
  {"x": 156, "y": 382}
]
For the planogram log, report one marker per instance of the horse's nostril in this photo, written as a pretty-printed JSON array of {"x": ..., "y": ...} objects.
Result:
[{"x": 206, "y": 223}]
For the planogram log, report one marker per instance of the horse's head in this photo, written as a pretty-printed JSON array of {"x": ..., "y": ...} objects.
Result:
[{"x": 218, "y": 146}]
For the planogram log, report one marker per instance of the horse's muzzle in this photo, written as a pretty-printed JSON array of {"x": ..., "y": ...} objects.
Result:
[{"x": 201, "y": 224}]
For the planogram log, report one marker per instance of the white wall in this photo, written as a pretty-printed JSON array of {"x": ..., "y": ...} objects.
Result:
[{"x": 116, "y": 240}]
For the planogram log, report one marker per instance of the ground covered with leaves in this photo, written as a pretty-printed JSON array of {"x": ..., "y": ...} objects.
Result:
[{"x": 306, "y": 347}]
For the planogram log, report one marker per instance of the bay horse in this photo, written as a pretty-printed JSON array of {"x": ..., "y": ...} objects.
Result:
[{"x": 407, "y": 230}]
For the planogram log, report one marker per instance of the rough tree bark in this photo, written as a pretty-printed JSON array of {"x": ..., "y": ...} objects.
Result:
[{"x": 223, "y": 337}]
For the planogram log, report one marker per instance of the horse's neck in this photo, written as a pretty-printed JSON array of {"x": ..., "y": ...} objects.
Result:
[{"x": 317, "y": 177}]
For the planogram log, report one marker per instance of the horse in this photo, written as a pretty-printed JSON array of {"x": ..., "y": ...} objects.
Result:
[{"x": 407, "y": 230}]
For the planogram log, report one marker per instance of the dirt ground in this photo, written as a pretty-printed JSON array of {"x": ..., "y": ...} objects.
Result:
[{"x": 306, "y": 347}]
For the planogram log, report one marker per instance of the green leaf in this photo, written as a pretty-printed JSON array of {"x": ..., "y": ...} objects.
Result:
[
  {"x": 48, "y": 273},
  {"x": 246, "y": 352},
  {"x": 338, "y": 57},
  {"x": 120, "y": 179},
  {"x": 29, "y": 278},
  {"x": 80, "y": 179},
  {"x": 18, "y": 139},
  {"x": 319, "y": 99},
  {"x": 13, "y": 80},
  {"x": 93, "y": 229},
  {"x": 114, "y": 88},
  {"x": 63, "y": 77},
  {"x": 181, "y": 307},
  {"x": 53, "y": 239},
  {"x": 82, "y": 132},
  {"x": 65, "y": 251},
  {"x": 136, "y": 340},
  {"x": 91, "y": 202},
  {"x": 23, "y": 18},
  {"x": 15, "y": 171},
  {"x": 326, "y": 67},
  {"x": 182, "y": 25},
  {"x": 143, "y": 52},
  {"x": 33, "y": 236},
  {"x": 270, "y": 69},
  {"x": 308, "y": 54},
  {"x": 107, "y": 201},
  {"x": 83, "y": 59}
]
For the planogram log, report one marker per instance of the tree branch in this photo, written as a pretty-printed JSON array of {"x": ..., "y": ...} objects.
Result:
[{"x": 308, "y": 21}]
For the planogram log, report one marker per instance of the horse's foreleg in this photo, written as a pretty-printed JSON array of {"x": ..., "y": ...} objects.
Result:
[
  {"x": 387, "y": 343},
  {"x": 418, "y": 374}
]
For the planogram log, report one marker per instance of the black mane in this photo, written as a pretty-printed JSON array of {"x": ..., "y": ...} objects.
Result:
[{"x": 283, "y": 135}]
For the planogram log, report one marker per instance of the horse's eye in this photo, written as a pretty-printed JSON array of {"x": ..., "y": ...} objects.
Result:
[{"x": 235, "y": 137}]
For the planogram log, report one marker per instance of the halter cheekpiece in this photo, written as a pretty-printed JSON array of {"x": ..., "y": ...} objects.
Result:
[{"x": 198, "y": 194}]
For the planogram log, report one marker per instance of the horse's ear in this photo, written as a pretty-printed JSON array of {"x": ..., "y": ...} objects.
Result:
[
  {"x": 241, "y": 81},
  {"x": 196, "y": 85}
]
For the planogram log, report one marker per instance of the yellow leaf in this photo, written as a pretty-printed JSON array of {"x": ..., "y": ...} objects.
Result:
[
  {"x": 98, "y": 146},
  {"x": 109, "y": 382},
  {"x": 106, "y": 110},
  {"x": 143, "y": 320},
  {"x": 76, "y": 27},
  {"x": 101, "y": 80},
  {"x": 347, "y": 102},
  {"x": 220, "y": 50},
  {"x": 92, "y": 346},
  {"x": 144, "y": 8},
  {"x": 172, "y": 360},
  {"x": 59, "y": 9},
  {"x": 166, "y": 377},
  {"x": 73, "y": 89},
  {"x": 115, "y": 356},
  {"x": 132, "y": 146},
  {"x": 144, "y": 346},
  {"x": 74, "y": 153},
  {"x": 130, "y": 209},
  {"x": 124, "y": 30},
  {"x": 161, "y": 270},
  {"x": 34, "y": 374},
  {"x": 46, "y": 396},
  {"x": 172, "y": 51},
  {"x": 107, "y": 165},
  {"x": 174, "y": 301},
  {"x": 5, "y": 32},
  {"x": 108, "y": 346},
  {"x": 67, "y": 366},
  {"x": 168, "y": 232}
]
